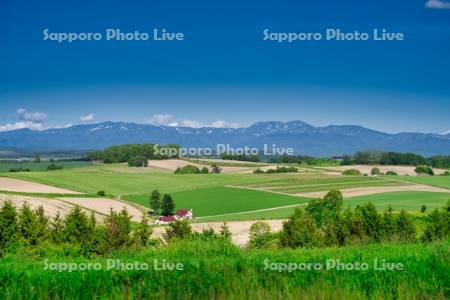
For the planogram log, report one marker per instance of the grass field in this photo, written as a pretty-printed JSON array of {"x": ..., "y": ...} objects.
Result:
[
  {"x": 438, "y": 181},
  {"x": 42, "y": 166},
  {"x": 411, "y": 201},
  {"x": 276, "y": 213},
  {"x": 218, "y": 270},
  {"x": 208, "y": 196},
  {"x": 325, "y": 183},
  {"x": 91, "y": 180},
  {"x": 222, "y": 200}
]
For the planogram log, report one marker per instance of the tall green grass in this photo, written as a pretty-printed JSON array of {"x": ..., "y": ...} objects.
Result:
[{"x": 219, "y": 270}]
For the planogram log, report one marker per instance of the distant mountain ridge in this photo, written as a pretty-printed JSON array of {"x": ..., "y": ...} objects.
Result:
[{"x": 304, "y": 138}]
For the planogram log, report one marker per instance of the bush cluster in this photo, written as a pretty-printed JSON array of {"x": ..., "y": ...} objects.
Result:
[
  {"x": 278, "y": 169},
  {"x": 77, "y": 230},
  {"x": 325, "y": 223},
  {"x": 352, "y": 172}
]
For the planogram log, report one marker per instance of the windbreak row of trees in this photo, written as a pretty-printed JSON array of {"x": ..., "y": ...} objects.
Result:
[
  {"x": 135, "y": 154},
  {"x": 395, "y": 158},
  {"x": 304, "y": 160},
  {"x": 243, "y": 157}
]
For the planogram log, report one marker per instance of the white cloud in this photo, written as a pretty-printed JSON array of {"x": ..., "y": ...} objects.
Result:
[
  {"x": 446, "y": 132},
  {"x": 437, "y": 4},
  {"x": 24, "y": 115},
  {"x": 162, "y": 120},
  {"x": 21, "y": 125},
  {"x": 224, "y": 124},
  {"x": 169, "y": 120},
  {"x": 31, "y": 120},
  {"x": 88, "y": 118}
]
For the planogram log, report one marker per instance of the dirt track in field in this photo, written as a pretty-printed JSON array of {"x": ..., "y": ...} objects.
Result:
[
  {"x": 22, "y": 186},
  {"x": 51, "y": 206},
  {"x": 240, "y": 230},
  {"x": 103, "y": 206}
]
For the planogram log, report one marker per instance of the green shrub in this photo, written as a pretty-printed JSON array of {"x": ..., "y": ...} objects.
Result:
[
  {"x": 101, "y": 193},
  {"x": 138, "y": 161},
  {"x": 391, "y": 173},
  {"x": 424, "y": 170},
  {"x": 53, "y": 167},
  {"x": 375, "y": 171},
  {"x": 351, "y": 172},
  {"x": 189, "y": 169}
]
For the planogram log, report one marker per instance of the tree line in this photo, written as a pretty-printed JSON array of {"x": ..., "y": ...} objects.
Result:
[
  {"x": 137, "y": 155},
  {"x": 396, "y": 159},
  {"x": 324, "y": 222},
  {"x": 76, "y": 231}
]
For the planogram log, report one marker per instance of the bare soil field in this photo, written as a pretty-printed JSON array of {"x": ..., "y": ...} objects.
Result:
[
  {"x": 365, "y": 169},
  {"x": 353, "y": 192},
  {"x": 22, "y": 186},
  {"x": 240, "y": 230},
  {"x": 173, "y": 164},
  {"x": 103, "y": 206},
  {"x": 51, "y": 206}
]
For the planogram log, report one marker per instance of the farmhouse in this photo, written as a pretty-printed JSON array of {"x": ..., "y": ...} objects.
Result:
[
  {"x": 184, "y": 214},
  {"x": 165, "y": 220}
]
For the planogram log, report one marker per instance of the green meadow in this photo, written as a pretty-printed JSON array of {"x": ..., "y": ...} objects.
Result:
[
  {"x": 409, "y": 201},
  {"x": 437, "y": 181},
  {"x": 223, "y": 200}
]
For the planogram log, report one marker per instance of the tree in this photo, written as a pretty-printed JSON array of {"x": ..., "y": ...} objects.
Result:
[
  {"x": 56, "y": 229},
  {"x": 167, "y": 205},
  {"x": 423, "y": 209},
  {"x": 138, "y": 161},
  {"x": 259, "y": 234},
  {"x": 406, "y": 231},
  {"x": 300, "y": 231},
  {"x": 225, "y": 231},
  {"x": 326, "y": 208},
  {"x": 28, "y": 225},
  {"x": 155, "y": 201},
  {"x": 371, "y": 221},
  {"x": 8, "y": 225},
  {"x": 204, "y": 170},
  {"x": 76, "y": 227},
  {"x": 178, "y": 230},
  {"x": 424, "y": 170},
  {"x": 375, "y": 171},
  {"x": 37, "y": 158},
  {"x": 141, "y": 235},
  {"x": 215, "y": 169}
]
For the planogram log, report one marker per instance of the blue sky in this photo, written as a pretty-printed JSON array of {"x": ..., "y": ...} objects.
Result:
[{"x": 223, "y": 73}]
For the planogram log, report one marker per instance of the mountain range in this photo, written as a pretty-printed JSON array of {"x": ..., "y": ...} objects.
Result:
[{"x": 304, "y": 138}]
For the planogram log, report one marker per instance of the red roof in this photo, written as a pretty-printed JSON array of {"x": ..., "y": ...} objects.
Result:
[
  {"x": 167, "y": 219},
  {"x": 182, "y": 212}
]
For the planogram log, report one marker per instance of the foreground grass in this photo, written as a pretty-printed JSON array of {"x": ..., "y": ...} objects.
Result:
[
  {"x": 410, "y": 201},
  {"x": 218, "y": 270},
  {"x": 222, "y": 200}
]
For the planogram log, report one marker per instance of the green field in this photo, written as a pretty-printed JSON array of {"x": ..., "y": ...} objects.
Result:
[
  {"x": 305, "y": 185},
  {"x": 276, "y": 213},
  {"x": 411, "y": 201},
  {"x": 222, "y": 200},
  {"x": 42, "y": 166},
  {"x": 208, "y": 194},
  {"x": 437, "y": 181}
]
